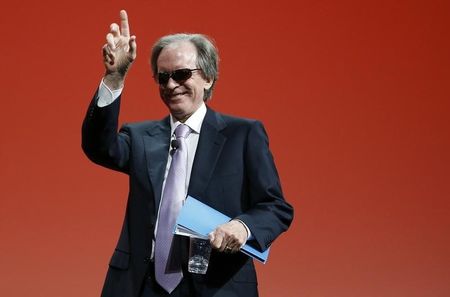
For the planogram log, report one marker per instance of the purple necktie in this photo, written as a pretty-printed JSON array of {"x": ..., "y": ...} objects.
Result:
[{"x": 170, "y": 275}]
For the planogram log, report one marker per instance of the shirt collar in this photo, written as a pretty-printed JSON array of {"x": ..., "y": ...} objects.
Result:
[{"x": 194, "y": 121}]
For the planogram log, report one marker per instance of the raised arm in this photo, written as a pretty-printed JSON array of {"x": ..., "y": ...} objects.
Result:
[
  {"x": 100, "y": 140},
  {"x": 119, "y": 52}
]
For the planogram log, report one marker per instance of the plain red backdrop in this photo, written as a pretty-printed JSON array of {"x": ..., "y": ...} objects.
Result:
[{"x": 355, "y": 98}]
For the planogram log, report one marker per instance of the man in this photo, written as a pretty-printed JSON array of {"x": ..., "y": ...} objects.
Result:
[{"x": 227, "y": 165}]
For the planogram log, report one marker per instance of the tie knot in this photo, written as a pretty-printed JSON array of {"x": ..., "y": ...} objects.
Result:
[{"x": 182, "y": 131}]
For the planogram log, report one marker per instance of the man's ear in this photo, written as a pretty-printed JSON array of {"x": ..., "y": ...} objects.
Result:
[{"x": 208, "y": 83}]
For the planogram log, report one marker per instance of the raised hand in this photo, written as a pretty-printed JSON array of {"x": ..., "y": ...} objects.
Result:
[{"x": 119, "y": 52}]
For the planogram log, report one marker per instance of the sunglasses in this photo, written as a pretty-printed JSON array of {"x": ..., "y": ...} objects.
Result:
[{"x": 179, "y": 75}]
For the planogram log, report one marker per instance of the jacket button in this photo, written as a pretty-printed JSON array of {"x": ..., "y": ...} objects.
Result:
[{"x": 146, "y": 259}]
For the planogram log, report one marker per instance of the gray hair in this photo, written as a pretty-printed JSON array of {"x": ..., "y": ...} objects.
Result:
[{"x": 207, "y": 56}]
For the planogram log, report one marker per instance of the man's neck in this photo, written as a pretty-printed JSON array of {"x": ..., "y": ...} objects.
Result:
[
  {"x": 194, "y": 120},
  {"x": 184, "y": 118}
]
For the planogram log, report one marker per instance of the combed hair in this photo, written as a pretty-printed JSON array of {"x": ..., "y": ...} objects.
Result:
[{"x": 207, "y": 56}]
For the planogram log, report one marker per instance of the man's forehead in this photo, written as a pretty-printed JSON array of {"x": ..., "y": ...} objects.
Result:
[
  {"x": 183, "y": 44},
  {"x": 179, "y": 52}
]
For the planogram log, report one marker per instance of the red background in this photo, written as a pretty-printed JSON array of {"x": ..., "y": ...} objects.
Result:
[{"x": 355, "y": 98}]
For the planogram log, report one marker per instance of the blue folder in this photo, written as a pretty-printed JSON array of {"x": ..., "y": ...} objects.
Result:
[{"x": 197, "y": 219}]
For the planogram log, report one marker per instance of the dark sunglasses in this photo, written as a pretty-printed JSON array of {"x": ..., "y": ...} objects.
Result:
[{"x": 179, "y": 75}]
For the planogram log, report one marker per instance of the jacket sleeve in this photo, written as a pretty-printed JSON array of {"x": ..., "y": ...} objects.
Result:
[
  {"x": 270, "y": 214},
  {"x": 101, "y": 141}
]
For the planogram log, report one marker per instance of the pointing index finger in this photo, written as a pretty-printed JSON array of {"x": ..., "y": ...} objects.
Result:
[{"x": 124, "y": 27}]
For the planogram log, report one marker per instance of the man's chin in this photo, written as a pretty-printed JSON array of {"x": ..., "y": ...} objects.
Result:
[
  {"x": 177, "y": 111},
  {"x": 175, "y": 105},
  {"x": 180, "y": 109}
]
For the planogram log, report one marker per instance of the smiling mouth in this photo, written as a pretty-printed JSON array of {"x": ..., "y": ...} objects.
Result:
[{"x": 175, "y": 96}]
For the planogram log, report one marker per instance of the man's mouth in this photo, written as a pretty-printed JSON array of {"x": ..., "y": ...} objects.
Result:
[{"x": 175, "y": 95}]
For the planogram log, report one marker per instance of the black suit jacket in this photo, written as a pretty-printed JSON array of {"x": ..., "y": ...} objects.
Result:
[{"x": 233, "y": 172}]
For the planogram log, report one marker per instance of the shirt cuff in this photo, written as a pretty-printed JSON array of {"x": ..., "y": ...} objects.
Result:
[
  {"x": 249, "y": 234},
  {"x": 106, "y": 96}
]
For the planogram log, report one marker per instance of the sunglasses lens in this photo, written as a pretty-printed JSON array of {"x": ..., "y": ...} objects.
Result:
[
  {"x": 163, "y": 78},
  {"x": 181, "y": 75}
]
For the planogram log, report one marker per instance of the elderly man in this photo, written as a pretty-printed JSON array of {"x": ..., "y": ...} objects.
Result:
[{"x": 221, "y": 160}]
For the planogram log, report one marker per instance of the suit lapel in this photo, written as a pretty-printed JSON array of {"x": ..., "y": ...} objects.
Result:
[
  {"x": 209, "y": 147},
  {"x": 156, "y": 150}
]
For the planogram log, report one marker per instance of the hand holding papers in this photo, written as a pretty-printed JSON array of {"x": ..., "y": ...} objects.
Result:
[{"x": 197, "y": 219}]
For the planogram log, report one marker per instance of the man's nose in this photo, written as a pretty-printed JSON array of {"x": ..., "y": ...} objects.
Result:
[{"x": 171, "y": 83}]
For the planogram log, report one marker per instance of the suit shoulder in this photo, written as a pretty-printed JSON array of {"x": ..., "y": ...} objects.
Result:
[
  {"x": 237, "y": 127},
  {"x": 232, "y": 120}
]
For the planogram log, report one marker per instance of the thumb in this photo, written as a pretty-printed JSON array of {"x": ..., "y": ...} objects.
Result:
[{"x": 211, "y": 237}]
